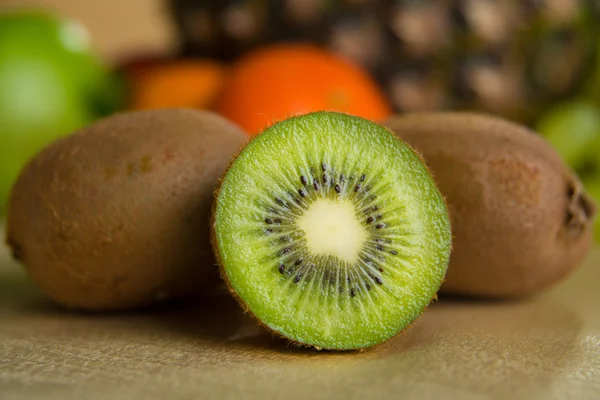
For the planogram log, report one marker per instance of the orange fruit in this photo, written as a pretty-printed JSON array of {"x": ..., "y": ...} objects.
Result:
[
  {"x": 277, "y": 82},
  {"x": 182, "y": 83}
]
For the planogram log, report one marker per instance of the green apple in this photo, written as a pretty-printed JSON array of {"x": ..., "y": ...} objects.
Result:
[{"x": 50, "y": 85}]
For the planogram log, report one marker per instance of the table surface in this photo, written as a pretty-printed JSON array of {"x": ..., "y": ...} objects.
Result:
[{"x": 547, "y": 347}]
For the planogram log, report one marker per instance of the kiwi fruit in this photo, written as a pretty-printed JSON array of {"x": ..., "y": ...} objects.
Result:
[
  {"x": 521, "y": 220},
  {"x": 117, "y": 215},
  {"x": 331, "y": 231}
]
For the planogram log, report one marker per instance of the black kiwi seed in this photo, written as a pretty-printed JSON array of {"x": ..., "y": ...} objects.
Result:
[
  {"x": 298, "y": 277},
  {"x": 324, "y": 166},
  {"x": 316, "y": 185},
  {"x": 379, "y": 248},
  {"x": 301, "y": 192},
  {"x": 352, "y": 293},
  {"x": 286, "y": 250},
  {"x": 331, "y": 278},
  {"x": 394, "y": 252},
  {"x": 298, "y": 261},
  {"x": 357, "y": 188},
  {"x": 378, "y": 280},
  {"x": 303, "y": 180},
  {"x": 342, "y": 177},
  {"x": 380, "y": 269},
  {"x": 277, "y": 221},
  {"x": 363, "y": 177},
  {"x": 338, "y": 189},
  {"x": 368, "y": 286},
  {"x": 269, "y": 230},
  {"x": 379, "y": 226},
  {"x": 281, "y": 268},
  {"x": 268, "y": 221},
  {"x": 284, "y": 239},
  {"x": 370, "y": 220},
  {"x": 324, "y": 178},
  {"x": 279, "y": 201}
]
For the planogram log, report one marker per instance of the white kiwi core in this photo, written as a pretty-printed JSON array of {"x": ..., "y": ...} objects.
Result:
[{"x": 331, "y": 229}]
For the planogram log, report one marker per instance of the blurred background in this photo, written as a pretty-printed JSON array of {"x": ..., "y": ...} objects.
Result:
[{"x": 65, "y": 63}]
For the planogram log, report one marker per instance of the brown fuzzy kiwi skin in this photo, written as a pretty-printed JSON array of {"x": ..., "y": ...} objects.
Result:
[
  {"x": 116, "y": 215},
  {"x": 521, "y": 220},
  {"x": 290, "y": 342}
]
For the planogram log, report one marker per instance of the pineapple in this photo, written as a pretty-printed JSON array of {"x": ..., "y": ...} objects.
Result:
[{"x": 509, "y": 57}]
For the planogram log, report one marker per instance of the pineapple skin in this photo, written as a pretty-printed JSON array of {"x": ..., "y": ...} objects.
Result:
[{"x": 513, "y": 58}]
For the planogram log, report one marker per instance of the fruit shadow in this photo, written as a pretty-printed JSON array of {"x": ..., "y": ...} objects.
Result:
[
  {"x": 220, "y": 319},
  {"x": 19, "y": 296},
  {"x": 217, "y": 320}
]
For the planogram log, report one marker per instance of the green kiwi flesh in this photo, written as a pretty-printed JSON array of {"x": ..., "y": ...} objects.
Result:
[
  {"x": 117, "y": 215},
  {"x": 521, "y": 219},
  {"x": 331, "y": 231}
]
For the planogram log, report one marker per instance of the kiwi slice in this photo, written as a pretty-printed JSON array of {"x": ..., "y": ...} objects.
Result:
[{"x": 331, "y": 231}]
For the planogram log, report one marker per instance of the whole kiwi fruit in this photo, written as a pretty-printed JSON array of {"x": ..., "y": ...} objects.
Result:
[
  {"x": 117, "y": 215},
  {"x": 521, "y": 220}
]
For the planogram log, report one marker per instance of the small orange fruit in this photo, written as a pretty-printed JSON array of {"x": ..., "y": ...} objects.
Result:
[
  {"x": 277, "y": 82},
  {"x": 181, "y": 83}
]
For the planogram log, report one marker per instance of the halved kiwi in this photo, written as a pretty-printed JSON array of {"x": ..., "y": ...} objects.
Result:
[{"x": 331, "y": 231}]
